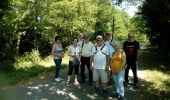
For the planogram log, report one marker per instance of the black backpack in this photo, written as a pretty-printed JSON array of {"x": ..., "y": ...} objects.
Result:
[{"x": 100, "y": 49}]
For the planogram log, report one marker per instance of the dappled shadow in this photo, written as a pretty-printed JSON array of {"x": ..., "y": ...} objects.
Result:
[
  {"x": 45, "y": 88},
  {"x": 151, "y": 59}
]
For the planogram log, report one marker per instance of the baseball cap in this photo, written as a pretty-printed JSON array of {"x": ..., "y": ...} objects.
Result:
[{"x": 99, "y": 37}]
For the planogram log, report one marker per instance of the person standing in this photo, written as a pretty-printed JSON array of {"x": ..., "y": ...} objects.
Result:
[
  {"x": 74, "y": 61},
  {"x": 86, "y": 52},
  {"x": 57, "y": 53},
  {"x": 132, "y": 51},
  {"x": 109, "y": 41},
  {"x": 100, "y": 61},
  {"x": 118, "y": 62}
]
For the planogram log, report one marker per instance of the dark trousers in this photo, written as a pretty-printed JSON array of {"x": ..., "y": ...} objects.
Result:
[
  {"x": 58, "y": 65},
  {"x": 71, "y": 67},
  {"x": 85, "y": 61},
  {"x": 131, "y": 64}
]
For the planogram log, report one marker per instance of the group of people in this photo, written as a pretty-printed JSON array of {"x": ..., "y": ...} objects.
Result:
[{"x": 105, "y": 60}]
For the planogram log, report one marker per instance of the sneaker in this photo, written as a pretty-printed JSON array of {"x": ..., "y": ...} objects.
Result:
[
  {"x": 57, "y": 79},
  {"x": 60, "y": 79},
  {"x": 76, "y": 83}
]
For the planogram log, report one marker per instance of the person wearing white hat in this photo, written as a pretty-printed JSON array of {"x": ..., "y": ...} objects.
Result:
[{"x": 100, "y": 61}]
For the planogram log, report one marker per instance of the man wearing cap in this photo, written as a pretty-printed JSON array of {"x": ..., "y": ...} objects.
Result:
[
  {"x": 131, "y": 48},
  {"x": 100, "y": 61},
  {"x": 86, "y": 52}
]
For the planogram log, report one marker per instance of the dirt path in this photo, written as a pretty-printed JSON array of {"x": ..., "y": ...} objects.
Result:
[{"x": 45, "y": 88}]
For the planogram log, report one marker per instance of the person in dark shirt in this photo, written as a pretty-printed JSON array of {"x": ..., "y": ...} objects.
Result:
[{"x": 131, "y": 48}]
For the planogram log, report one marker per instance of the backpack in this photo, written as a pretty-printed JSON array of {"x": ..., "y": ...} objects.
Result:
[{"x": 100, "y": 49}]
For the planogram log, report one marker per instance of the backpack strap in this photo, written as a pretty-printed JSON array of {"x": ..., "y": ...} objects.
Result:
[
  {"x": 82, "y": 45},
  {"x": 100, "y": 49}
]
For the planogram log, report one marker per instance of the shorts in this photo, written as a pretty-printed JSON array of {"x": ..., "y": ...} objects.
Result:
[{"x": 100, "y": 74}]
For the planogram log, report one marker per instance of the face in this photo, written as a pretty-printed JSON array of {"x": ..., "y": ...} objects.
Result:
[
  {"x": 99, "y": 42},
  {"x": 75, "y": 42},
  {"x": 130, "y": 37},
  {"x": 58, "y": 40},
  {"x": 108, "y": 36},
  {"x": 81, "y": 35},
  {"x": 86, "y": 39}
]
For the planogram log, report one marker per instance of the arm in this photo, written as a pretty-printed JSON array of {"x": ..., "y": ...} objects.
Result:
[
  {"x": 91, "y": 60},
  {"x": 137, "y": 51},
  {"x": 107, "y": 62},
  {"x": 53, "y": 50},
  {"x": 138, "y": 54},
  {"x": 70, "y": 53}
]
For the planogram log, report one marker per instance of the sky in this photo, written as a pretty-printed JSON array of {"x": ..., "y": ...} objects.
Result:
[{"x": 129, "y": 8}]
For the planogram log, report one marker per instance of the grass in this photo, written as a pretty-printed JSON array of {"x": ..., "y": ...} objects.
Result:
[{"x": 27, "y": 66}]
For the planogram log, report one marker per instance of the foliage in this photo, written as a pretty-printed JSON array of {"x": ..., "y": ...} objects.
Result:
[
  {"x": 157, "y": 20},
  {"x": 33, "y": 24}
]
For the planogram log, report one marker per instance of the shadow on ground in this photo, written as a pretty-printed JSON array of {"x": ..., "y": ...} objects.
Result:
[{"x": 44, "y": 87}]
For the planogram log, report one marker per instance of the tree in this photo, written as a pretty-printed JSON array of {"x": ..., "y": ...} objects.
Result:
[{"x": 156, "y": 13}]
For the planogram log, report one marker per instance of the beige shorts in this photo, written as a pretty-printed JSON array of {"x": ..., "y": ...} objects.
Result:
[{"x": 100, "y": 74}]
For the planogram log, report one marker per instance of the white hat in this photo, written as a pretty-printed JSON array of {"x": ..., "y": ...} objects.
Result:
[{"x": 99, "y": 37}]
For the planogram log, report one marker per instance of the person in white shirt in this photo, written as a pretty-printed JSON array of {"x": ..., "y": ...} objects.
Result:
[
  {"x": 74, "y": 60},
  {"x": 109, "y": 41},
  {"x": 86, "y": 52},
  {"x": 100, "y": 60}
]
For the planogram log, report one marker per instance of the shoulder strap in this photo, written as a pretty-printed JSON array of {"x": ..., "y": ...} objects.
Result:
[
  {"x": 82, "y": 44},
  {"x": 102, "y": 47}
]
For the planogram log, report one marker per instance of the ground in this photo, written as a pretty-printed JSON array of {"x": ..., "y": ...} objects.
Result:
[{"x": 44, "y": 87}]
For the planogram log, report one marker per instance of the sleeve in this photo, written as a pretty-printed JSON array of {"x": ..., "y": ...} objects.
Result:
[
  {"x": 137, "y": 45},
  {"x": 107, "y": 51},
  {"x": 69, "y": 49}
]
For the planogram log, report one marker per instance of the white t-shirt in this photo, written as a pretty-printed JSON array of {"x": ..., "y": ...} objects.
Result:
[
  {"x": 111, "y": 49},
  {"x": 74, "y": 50},
  {"x": 99, "y": 59},
  {"x": 87, "y": 49}
]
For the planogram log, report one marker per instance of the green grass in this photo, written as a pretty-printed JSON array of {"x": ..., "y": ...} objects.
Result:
[{"x": 25, "y": 67}]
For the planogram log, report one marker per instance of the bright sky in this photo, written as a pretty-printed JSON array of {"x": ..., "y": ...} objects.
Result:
[{"x": 131, "y": 10}]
